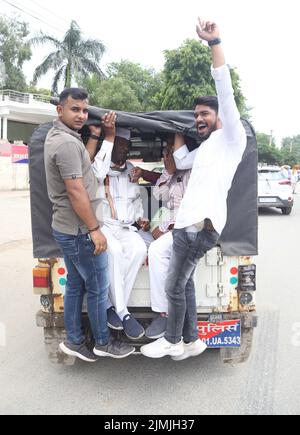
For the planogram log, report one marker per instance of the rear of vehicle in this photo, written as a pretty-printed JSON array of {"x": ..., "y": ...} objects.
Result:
[
  {"x": 274, "y": 190},
  {"x": 225, "y": 292},
  {"x": 225, "y": 278}
]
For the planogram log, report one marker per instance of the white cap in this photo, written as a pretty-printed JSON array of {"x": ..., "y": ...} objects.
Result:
[{"x": 124, "y": 133}]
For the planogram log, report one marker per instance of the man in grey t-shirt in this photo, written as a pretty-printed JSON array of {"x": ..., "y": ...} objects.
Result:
[{"x": 72, "y": 189}]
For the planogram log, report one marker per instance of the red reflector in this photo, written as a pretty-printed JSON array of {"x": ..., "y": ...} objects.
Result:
[
  {"x": 234, "y": 271},
  {"x": 40, "y": 282}
]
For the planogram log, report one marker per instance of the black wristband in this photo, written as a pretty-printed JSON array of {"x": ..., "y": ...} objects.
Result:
[
  {"x": 216, "y": 41},
  {"x": 93, "y": 136},
  {"x": 95, "y": 229}
]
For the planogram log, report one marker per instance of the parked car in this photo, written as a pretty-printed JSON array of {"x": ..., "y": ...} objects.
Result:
[{"x": 275, "y": 190}]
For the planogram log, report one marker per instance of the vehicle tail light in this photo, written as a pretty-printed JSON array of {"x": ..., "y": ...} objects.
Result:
[
  {"x": 234, "y": 276},
  {"x": 41, "y": 280},
  {"x": 285, "y": 183}
]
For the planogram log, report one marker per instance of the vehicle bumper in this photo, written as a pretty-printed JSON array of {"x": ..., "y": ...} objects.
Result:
[
  {"x": 248, "y": 319},
  {"x": 278, "y": 203}
]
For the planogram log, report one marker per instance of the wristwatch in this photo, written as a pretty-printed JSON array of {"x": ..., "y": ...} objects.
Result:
[{"x": 215, "y": 41}]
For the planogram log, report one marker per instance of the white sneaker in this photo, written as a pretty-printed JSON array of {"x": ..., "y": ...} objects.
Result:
[
  {"x": 191, "y": 350},
  {"x": 161, "y": 348}
]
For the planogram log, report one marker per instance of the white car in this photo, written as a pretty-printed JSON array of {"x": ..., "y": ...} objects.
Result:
[{"x": 274, "y": 190}]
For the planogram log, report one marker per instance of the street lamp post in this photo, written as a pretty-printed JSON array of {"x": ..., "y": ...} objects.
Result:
[{"x": 271, "y": 139}]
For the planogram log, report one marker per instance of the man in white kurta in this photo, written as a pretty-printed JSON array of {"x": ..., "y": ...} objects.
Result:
[
  {"x": 122, "y": 209},
  {"x": 203, "y": 212}
]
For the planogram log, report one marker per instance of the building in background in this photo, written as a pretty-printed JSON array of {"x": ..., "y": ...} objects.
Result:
[{"x": 21, "y": 113}]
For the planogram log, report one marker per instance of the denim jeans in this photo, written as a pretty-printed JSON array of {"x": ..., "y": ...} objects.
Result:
[
  {"x": 188, "y": 249},
  {"x": 87, "y": 273}
]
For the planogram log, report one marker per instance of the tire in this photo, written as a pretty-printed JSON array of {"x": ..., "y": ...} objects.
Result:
[
  {"x": 286, "y": 211},
  {"x": 240, "y": 355}
]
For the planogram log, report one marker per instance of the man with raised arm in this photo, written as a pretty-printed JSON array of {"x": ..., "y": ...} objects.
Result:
[{"x": 203, "y": 212}]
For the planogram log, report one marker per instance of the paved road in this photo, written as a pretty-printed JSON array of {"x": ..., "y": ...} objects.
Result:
[{"x": 268, "y": 384}]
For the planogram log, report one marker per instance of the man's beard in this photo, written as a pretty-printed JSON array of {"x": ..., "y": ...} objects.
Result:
[{"x": 209, "y": 133}]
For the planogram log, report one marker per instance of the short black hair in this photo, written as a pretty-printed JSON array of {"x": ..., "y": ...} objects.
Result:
[
  {"x": 209, "y": 101},
  {"x": 75, "y": 93}
]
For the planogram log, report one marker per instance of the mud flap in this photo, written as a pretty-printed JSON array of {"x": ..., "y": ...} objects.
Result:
[{"x": 240, "y": 355}]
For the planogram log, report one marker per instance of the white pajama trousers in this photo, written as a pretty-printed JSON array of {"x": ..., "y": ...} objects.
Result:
[
  {"x": 126, "y": 254},
  {"x": 159, "y": 260}
]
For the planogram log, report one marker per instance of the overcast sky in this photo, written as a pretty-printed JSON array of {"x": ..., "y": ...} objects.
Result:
[{"x": 261, "y": 39}]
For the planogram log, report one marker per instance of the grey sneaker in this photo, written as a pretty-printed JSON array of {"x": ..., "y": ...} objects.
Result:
[
  {"x": 114, "y": 349},
  {"x": 158, "y": 328},
  {"x": 79, "y": 351}
]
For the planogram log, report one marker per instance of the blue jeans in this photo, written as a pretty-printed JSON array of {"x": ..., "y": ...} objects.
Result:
[
  {"x": 87, "y": 273},
  {"x": 188, "y": 249}
]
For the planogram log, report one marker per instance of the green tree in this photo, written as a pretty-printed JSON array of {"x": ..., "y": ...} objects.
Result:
[
  {"x": 267, "y": 151},
  {"x": 14, "y": 51},
  {"x": 128, "y": 87},
  {"x": 38, "y": 91},
  {"x": 288, "y": 158},
  {"x": 73, "y": 57},
  {"x": 187, "y": 75},
  {"x": 145, "y": 82},
  {"x": 92, "y": 84},
  {"x": 240, "y": 99},
  {"x": 290, "y": 152},
  {"x": 117, "y": 94}
]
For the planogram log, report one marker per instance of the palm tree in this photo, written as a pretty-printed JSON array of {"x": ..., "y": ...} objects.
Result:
[{"x": 74, "y": 57}]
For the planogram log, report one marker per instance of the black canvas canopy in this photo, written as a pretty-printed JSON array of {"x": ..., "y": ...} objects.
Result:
[
  {"x": 156, "y": 123},
  {"x": 240, "y": 234}
]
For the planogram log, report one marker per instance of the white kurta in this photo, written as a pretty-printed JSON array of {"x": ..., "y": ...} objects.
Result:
[
  {"x": 159, "y": 260},
  {"x": 126, "y": 249},
  {"x": 214, "y": 163},
  {"x": 126, "y": 254}
]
